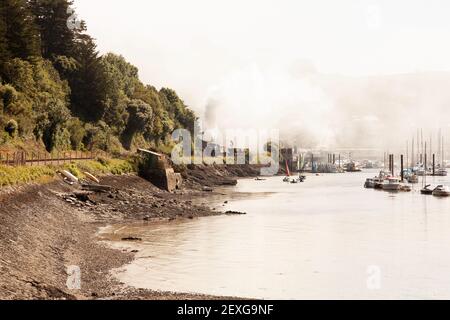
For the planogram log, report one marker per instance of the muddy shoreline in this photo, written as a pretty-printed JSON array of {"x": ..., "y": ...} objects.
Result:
[{"x": 47, "y": 228}]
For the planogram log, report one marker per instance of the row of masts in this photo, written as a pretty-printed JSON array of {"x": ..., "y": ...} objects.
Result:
[{"x": 421, "y": 152}]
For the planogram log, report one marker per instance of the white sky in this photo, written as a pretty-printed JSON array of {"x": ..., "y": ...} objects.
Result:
[
  {"x": 247, "y": 61},
  {"x": 191, "y": 45}
]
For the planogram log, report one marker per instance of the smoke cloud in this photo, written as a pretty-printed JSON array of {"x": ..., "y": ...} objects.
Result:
[{"x": 319, "y": 111}]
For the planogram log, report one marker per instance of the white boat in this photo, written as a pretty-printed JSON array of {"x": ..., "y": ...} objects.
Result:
[
  {"x": 91, "y": 177},
  {"x": 69, "y": 176},
  {"x": 441, "y": 191},
  {"x": 441, "y": 173},
  {"x": 420, "y": 172},
  {"x": 405, "y": 188},
  {"x": 392, "y": 184}
]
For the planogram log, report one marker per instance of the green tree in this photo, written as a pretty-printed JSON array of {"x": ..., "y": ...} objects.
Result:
[
  {"x": 4, "y": 51},
  {"x": 51, "y": 17},
  {"x": 138, "y": 122},
  {"x": 88, "y": 82},
  {"x": 19, "y": 31},
  {"x": 122, "y": 79}
]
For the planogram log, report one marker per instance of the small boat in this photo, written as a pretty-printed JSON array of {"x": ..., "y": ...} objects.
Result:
[
  {"x": 69, "y": 176},
  {"x": 413, "y": 179},
  {"x": 352, "y": 167},
  {"x": 294, "y": 181},
  {"x": 441, "y": 173},
  {"x": 421, "y": 172},
  {"x": 260, "y": 179},
  {"x": 369, "y": 184},
  {"x": 288, "y": 174},
  {"x": 91, "y": 177},
  {"x": 441, "y": 191},
  {"x": 392, "y": 184},
  {"x": 428, "y": 190},
  {"x": 405, "y": 188}
]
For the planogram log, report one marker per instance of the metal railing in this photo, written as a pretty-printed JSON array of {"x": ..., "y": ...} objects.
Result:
[{"x": 22, "y": 158}]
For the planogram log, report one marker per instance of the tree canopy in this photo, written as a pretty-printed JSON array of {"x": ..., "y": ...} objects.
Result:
[{"x": 57, "y": 89}]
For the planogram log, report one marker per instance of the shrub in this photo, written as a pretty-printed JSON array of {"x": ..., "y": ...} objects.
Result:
[
  {"x": 8, "y": 94},
  {"x": 12, "y": 128},
  {"x": 20, "y": 175}
]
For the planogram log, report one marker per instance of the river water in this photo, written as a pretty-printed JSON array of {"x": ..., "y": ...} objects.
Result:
[{"x": 328, "y": 238}]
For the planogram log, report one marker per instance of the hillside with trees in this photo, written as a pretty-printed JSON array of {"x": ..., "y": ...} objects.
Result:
[{"x": 57, "y": 92}]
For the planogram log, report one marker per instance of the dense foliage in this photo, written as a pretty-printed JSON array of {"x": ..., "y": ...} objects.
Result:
[{"x": 57, "y": 89}]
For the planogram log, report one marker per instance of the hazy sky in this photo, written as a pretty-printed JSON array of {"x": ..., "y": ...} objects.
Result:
[
  {"x": 190, "y": 45},
  {"x": 247, "y": 55}
]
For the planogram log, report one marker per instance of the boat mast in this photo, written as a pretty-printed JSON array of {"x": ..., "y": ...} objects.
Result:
[
  {"x": 431, "y": 147},
  {"x": 418, "y": 147},
  {"x": 439, "y": 144},
  {"x": 407, "y": 153},
  {"x": 425, "y": 168},
  {"x": 421, "y": 145}
]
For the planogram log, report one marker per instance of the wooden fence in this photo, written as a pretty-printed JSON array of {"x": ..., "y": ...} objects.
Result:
[{"x": 22, "y": 158}]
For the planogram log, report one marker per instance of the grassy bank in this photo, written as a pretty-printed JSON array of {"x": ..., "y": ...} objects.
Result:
[{"x": 21, "y": 175}]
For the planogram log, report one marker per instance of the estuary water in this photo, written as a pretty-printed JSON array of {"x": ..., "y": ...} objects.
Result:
[{"x": 327, "y": 238}]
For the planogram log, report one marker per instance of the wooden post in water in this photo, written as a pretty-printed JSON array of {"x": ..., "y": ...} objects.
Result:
[
  {"x": 434, "y": 164},
  {"x": 426, "y": 165},
  {"x": 392, "y": 165},
  {"x": 401, "y": 168},
  {"x": 389, "y": 164}
]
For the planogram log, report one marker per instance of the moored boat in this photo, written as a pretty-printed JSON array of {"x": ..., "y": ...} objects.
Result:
[
  {"x": 428, "y": 190},
  {"x": 352, "y": 167},
  {"x": 392, "y": 184},
  {"x": 405, "y": 188},
  {"x": 288, "y": 174},
  {"x": 441, "y": 191},
  {"x": 413, "y": 179},
  {"x": 370, "y": 183},
  {"x": 378, "y": 183}
]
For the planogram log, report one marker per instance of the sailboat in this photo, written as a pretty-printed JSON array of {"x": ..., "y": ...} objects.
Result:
[
  {"x": 288, "y": 174},
  {"x": 427, "y": 189}
]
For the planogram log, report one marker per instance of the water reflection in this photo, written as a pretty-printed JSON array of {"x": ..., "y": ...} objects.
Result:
[{"x": 311, "y": 240}]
